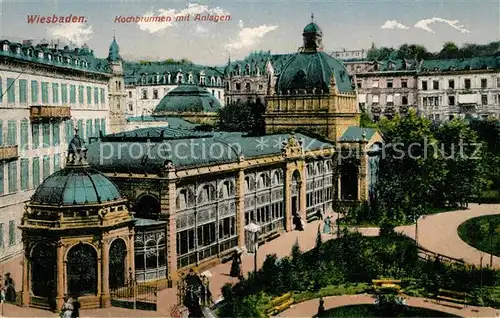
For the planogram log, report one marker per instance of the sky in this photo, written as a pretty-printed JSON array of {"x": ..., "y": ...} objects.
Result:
[{"x": 253, "y": 25}]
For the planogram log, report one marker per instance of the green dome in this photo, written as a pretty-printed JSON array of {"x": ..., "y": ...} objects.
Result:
[
  {"x": 188, "y": 98},
  {"x": 312, "y": 71},
  {"x": 75, "y": 186},
  {"x": 312, "y": 28}
]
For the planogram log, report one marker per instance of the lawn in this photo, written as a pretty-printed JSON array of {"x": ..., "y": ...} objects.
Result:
[
  {"x": 482, "y": 233},
  {"x": 373, "y": 311}
]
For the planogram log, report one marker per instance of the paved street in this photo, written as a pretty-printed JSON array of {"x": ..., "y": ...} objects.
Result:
[
  {"x": 310, "y": 308},
  {"x": 436, "y": 233}
]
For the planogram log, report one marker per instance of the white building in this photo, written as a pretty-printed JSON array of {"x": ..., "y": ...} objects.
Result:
[
  {"x": 46, "y": 92},
  {"x": 148, "y": 82},
  {"x": 466, "y": 87}
]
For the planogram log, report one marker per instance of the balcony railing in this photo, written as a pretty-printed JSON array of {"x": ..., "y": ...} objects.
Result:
[
  {"x": 42, "y": 113},
  {"x": 8, "y": 152}
]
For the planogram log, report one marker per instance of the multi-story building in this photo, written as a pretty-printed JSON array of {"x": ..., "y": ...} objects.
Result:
[
  {"x": 459, "y": 87},
  {"x": 148, "y": 82},
  {"x": 45, "y": 93},
  {"x": 385, "y": 88},
  {"x": 346, "y": 55}
]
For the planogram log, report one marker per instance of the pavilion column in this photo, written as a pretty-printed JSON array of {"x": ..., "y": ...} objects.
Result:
[
  {"x": 240, "y": 208},
  {"x": 288, "y": 198},
  {"x": 131, "y": 257},
  {"x": 105, "y": 297},
  {"x": 303, "y": 192},
  {"x": 25, "y": 295},
  {"x": 60, "y": 276}
]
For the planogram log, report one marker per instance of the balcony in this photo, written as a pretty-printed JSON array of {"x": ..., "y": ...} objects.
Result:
[
  {"x": 46, "y": 113},
  {"x": 8, "y": 152}
]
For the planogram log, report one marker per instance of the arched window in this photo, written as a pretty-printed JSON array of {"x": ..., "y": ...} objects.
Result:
[
  {"x": 190, "y": 79},
  {"x": 263, "y": 181},
  {"x": 226, "y": 190},
  {"x": 206, "y": 194},
  {"x": 249, "y": 184},
  {"x": 162, "y": 260},
  {"x": 219, "y": 81},
  {"x": 43, "y": 264},
  {"x": 139, "y": 255},
  {"x": 82, "y": 270},
  {"x": 277, "y": 177},
  {"x": 320, "y": 168},
  {"x": 212, "y": 81},
  {"x": 181, "y": 201},
  {"x": 180, "y": 78},
  {"x": 144, "y": 93},
  {"x": 151, "y": 255},
  {"x": 247, "y": 86}
]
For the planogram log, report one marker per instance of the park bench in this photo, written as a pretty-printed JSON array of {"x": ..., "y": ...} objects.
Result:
[
  {"x": 386, "y": 284},
  {"x": 453, "y": 296},
  {"x": 269, "y": 237},
  {"x": 280, "y": 303}
]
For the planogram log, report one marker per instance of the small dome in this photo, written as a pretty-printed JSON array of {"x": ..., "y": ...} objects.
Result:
[
  {"x": 76, "y": 186},
  {"x": 313, "y": 71},
  {"x": 76, "y": 145},
  {"x": 188, "y": 98},
  {"x": 312, "y": 28}
]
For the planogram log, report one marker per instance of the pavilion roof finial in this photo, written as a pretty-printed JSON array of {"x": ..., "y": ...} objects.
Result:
[{"x": 312, "y": 17}]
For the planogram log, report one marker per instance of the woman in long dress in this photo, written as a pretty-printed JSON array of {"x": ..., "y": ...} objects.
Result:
[
  {"x": 67, "y": 309},
  {"x": 327, "y": 227}
]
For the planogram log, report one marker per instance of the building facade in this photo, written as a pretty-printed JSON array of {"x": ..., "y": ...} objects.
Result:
[
  {"x": 148, "y": 82},
  {"x": 45, "y": 93}
]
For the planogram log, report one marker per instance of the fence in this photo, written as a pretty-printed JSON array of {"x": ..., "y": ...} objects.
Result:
[{"x": 135, "y": 296}]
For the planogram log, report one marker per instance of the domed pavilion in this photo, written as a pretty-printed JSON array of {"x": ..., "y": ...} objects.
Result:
[
  {"x": 190, "y": 102},
  {"x": 313, "y": 91},
  {"x": 78, "y": 237}
]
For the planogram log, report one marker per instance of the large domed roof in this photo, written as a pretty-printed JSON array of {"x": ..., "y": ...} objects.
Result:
[
  {"x": 312, "y": 71},
  {"x": 76, "y": 186},
  {"x": 188, "y": 98}
]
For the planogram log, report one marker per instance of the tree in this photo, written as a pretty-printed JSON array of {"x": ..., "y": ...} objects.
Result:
[
  {"x": 242, "y": 117},
  {"x": 449, "y": 51}
]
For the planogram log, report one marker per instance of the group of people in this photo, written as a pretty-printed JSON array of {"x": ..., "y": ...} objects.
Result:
[
  {"x": 7, "y": 290},
  {"x": 70, "y": 308}
]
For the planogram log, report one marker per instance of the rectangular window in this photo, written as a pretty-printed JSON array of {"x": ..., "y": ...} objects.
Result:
[
  {"x": 404, "y": 100},
  {"x": 34, "y": 92},
  {"x": 451, "y": 84},
  {"x": 35, "y": 136},
  {"x": 435, "y": 85},
  {"x": 451, "y": 100},
  {"x": 23, "y": 91},
  {"x": 97, "y": 127},
  {"x": 57, "y": 162},
  {"x": 96, "y": 96},
  {"x": 56, "y": 134},
  {"x": 484, "y": 99},
  {"x": 46, "y": 166},
  {"x": 70, "y": 130},
  {"x": 375, "y": 100},
  {"x": 80, "y": 94},
  {"x": 484, "y": 83},
  {"x": 498, "y": 82},
  {"x": 1, "y": 90},
  {"x": 89, "y": 95},
  {"x": 72, "y": 94},
  {"x": 404, "y": 83},
  {"x": 390, "y": 100},
  {"x": 374, "y": 83},
  {"x": 80, "y": 128},
  {"x": 88, "y": 126},
  {"x": 64, "y": 93},
  {"x": 24, "y": 134},
  {"x": 24, "y": 174},
  {"x": 11, "y": 133},
  {"x": 12, "y": 176},
  {"x": 45, "y": 93},
  {"x": 102, "y": 96},
  {"x": 46, "y": 135},
  {"x": 424, "y": 85},
  {"x": 103, "y": 126},
  {"x": 389, "y": 83},
  {"x": 467, "y": 83},
  {"x": 36, "y": 172},
  {"x": 11, "y": 93},
  {"x": 359, "y": 84},
  {"x": 55, "y": 93},
  {"x": 1, "y": 177},
  {"x": 12, "y": 233},
  {"x": 1, "y": 235}
]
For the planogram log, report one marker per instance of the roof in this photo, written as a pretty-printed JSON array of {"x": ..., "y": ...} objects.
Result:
[
  {"x": 114, "y": 51},
  {"x": 312, "y": 28},
  {"x": 196, "y": 150},
  {"x": 355, "y": 133},
  {"x": 173, "y": 122},
  {"x": 162, "y": 133},
  {"x": 136, "y": 72},
  {"x": 85, "y": 58},
  {"x": 475, "y": 63},
  {"x": 313, "y": 71},
  {"x": 146, "y": 222},
  {"x": 188, "y": 98},
  {"x": 75, "y": 186}
]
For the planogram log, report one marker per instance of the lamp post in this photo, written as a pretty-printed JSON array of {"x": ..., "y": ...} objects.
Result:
[{"x": 253, "y": 230}]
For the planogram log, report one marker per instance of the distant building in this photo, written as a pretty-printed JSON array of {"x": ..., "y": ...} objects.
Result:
[{"x": 346, "y": 55}]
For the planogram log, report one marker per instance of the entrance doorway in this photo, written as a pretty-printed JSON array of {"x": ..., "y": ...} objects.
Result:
[{"x": 117, "y": 264}]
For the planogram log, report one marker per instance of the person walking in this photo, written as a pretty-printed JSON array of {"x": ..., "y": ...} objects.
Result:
[
  {"x": 10, "y": 291},
  {"x": 327, "y": 229}
]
